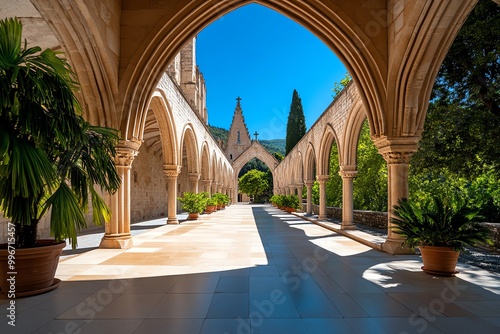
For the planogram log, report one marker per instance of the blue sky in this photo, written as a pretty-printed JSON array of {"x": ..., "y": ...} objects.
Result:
[{"x": 262, "y": 56}]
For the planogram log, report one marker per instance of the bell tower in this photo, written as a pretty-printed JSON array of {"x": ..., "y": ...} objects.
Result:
[{"x": 238, "y": 139}]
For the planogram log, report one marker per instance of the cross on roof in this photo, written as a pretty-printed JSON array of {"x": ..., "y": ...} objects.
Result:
[{"x": 256, "y": 134}]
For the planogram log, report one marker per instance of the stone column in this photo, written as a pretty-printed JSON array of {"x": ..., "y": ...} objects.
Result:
[
  {"x": 172, "y": 171},
  {"x": 299, "y": 193},
  {"x": 322, "y": 195},
  {"x": 291, "y": 189},
  {"x": 348, "y": 174},
  {"x": 193, "y": 182},
  {"x": 219, "y": 187},
  {"x": 309, "y": 185},
  {"x": 117, "y": 230},
  {"x": 206, "y": 185},
  {"x": 214, "y": 187}
]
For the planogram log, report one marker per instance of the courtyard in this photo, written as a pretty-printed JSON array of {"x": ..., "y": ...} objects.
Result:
[{"x": 254, "y": 269}]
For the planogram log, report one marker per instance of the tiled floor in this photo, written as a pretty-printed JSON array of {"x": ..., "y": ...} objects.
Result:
[{"x": 255, "y": 269}]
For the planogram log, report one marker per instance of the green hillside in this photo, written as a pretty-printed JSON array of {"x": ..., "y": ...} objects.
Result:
[
  {"x": 218, "y": 133},
  {"x": 274, "y": 145}
]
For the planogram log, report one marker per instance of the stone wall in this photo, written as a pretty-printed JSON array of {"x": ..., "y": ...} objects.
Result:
[
  {"x": 148, "y": 192},
  {"x": 379, "y": 220},
  {"x": 370, "y": 218}
]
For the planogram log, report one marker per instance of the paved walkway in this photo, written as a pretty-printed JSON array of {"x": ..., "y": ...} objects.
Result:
[{"x": 255, "y": 269}]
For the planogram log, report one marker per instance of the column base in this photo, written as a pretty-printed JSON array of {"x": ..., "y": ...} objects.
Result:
[
  {"x": 393, "y": 246},
  {"x": 347, "y": 226},
  {"x": 116, "y": 241},
  {"x": 322, "y": 217},
  {"x": 172, "y": 221}
]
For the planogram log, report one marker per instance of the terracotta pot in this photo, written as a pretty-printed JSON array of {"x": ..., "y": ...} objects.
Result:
[
  {"x": 193, "y": 216},
  {"x": 439, "y": 260},
  {"x": 290, "y": 210},
  {"x": 210, "y": 208},
  {"x": 35, "y": 268}
]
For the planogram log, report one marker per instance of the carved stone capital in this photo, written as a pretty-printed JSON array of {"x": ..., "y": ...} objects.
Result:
[
  {"x": 194, "y": 177},
  {"x": 348, "y": 171},
  {"x": 322, "y": 178},
  {"x": 171, "y": 171},
  {"x": 397, "y": 150},
  {"x": 309, "y": 183},
  {"x": 397, "y": 157},
  {"x": 126, "y": 151},
  {"x": 206, "y": 182}
]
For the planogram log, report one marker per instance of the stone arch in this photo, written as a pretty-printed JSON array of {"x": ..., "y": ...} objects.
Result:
[
  {"x": 189, "y": 140},
  {"x": 163, "y": 132},
  {"x": 256, "y": 150},
  {"x": 354, "y": 123},
  {"x": 310, "y": 163},
  {"x": 205, "y": 162},
  {"x": 86, "y": 48},
  {"x": 299, "y": 165},
  {"x": 329, "y": 137},
  {"x": 214, "y": 168},
  {"x": 394, "y": 86},
  {"x": 329, "y": 22}
]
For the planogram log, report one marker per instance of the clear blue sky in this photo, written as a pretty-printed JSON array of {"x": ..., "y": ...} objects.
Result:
[{"x": 262, "y": 56}]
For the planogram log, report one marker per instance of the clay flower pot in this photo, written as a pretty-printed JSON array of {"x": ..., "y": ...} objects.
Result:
[
  {"x": 193, "y": 216},
  {"x": 439, "y": 260},
  {"x": 34, "y": 268}
]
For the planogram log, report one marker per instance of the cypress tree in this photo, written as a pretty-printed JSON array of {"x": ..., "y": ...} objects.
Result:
[{"x": 296, "y": 126}]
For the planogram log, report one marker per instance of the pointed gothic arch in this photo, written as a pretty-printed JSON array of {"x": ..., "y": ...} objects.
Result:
[{"x": 328, "y": 139}]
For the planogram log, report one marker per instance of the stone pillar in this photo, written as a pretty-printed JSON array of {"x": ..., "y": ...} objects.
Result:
[
  {"x": 193, "y": 182},
  {"x": 397, "y": 153},
  {"x": 206, "y": 185},
  {"x": 299, "y": 193},
  {"x": 214, "y": 187},
  {"x": 291, "y": 189},
  {"x": 348, "y": 174},
  {"x": 322, "y": 195},
  {"x": 172, "y": 171},
  {"x": 117, "y": 230},
  {"x": 219, "y": 187},
  {"x": 397, "y": 178},
  {"x": 309, "y": 185}
]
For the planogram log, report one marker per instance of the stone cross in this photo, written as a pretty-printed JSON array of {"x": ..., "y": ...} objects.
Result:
[{"x": 256, "y": 134}]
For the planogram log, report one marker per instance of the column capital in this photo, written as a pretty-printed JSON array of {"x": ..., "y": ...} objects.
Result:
[
  {"x": 309, "y": 183},
  {"x": 396, "y": 150},
  {"x": 299, "y": 185},
  {"x": 194, "y": 177},
  {"x": 322, "y": 178},
  {"x": 206, "y": 182},
  {"x": 126, "y": 151},
  {"x": 397, "y": 157},
  {"x": 171, "y": 170},
  {"x": 348, "y": 171}
]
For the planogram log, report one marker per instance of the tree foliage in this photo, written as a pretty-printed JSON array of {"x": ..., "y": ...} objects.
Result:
[
  {"x": 296, "y": 125},
  {"x": 339, "y": 86},
  {"x": 463, "y": 119},
  {"x": 50, "y": 157},
  {"x": 254, "y": 182}
]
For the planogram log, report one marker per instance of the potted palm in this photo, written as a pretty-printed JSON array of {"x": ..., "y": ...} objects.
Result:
[
  {"x": 193, "y": 203},
  {"x": 50, "y": 160},
  {"x": 441, "y": 229}
]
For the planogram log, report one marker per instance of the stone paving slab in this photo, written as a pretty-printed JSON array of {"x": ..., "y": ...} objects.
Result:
[{"x": 255, "y": 269}]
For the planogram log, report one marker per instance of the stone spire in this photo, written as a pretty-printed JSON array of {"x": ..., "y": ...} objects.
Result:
[{"x": 238, "y": 139}]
